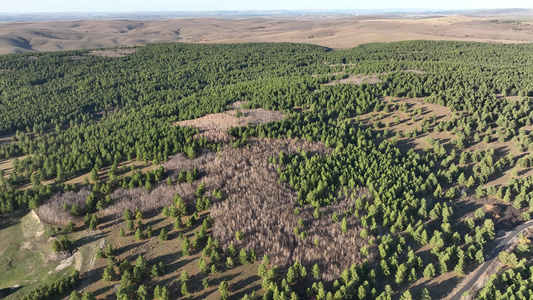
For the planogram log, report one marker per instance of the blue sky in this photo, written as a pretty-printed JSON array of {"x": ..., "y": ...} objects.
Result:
[{"x": 206, "y": 5}]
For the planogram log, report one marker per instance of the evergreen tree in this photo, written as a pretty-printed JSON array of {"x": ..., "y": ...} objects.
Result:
[
  {"x": 316, "y": 272},
  {"x": 138, "y": 234},
  {"x": 163, "y": 235}
]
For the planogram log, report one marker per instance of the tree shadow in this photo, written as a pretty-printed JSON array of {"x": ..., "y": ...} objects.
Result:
[
  {"x": 439, "y": 290},
  {"x": 92, "y": 276},
  {"x": 8, "y": 291},
  {"x": 245, "y": 287},
  {"x": 88, "y": 239},
  {"x": 8, "y": 220},
  {"x": 206, "y": 294},
  {"x": 103, "y": 290},
  {"x": 129, "y": 247}
]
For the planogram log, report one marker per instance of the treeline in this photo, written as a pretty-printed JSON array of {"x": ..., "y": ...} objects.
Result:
[{"x": 54, "y": 290}]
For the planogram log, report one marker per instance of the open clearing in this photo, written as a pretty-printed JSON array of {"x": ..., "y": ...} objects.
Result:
[
  {"x": 120, "y": 52},
  {"x": 213, "y": 126},
  {"x": 368, "y": 79},
  {"x": 6, "y": 139}
]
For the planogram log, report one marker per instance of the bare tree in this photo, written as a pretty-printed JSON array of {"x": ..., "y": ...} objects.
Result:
[{"x": 53, "y": 212}]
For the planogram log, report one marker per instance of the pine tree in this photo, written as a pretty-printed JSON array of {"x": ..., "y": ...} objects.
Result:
[
  {"x": 185, "y": 246},
  {"x": 138, "y": 234},
  {"x": 142, "y": 293},
  {"x": 165, "y": 212},
  {"x": 223, "y": 288},
  {"x": 157, "y": 292},
  {"x": 239, "y": 235},
  {"x": 316, "y": 272},
  {"x": 138, "y": 215},
  {"x": 70, "y": 227},
  {"x": 93, "y": 223},
  {"x": 231, "y": 250},
  {"x": 109, "y": 274},
  {"x": 344, "y": 225},
  {"x": 400, "y": 274},
  {"x": 429, "y": 271},
  {"x": 128, "y": 215},
  {"x": 184, "y": 289},
  {"x": 406, "y": 296},
  {"x": 165, "y": 294},
  {"x": 87, "y": 219},
  {"x": 155, "y": 272},
  {"x": 131, "y": 225},
  {"x": 200, "y": 191},
  {"x": 202, "y": 265},
  {"x": 425, "y": 295},
  {"x": 178, "y": 224},
  {"x": 229, "y": 262},
  {"x": 291, "y": 275},
  {"x": 149, "y": 231},
  {"x": 163, "y": 236},
  {"x": 94, "y": 175},
  {"x": 243, "y": 256}
]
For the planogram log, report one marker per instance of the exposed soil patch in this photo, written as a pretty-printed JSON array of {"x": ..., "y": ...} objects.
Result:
[
  {"x": 509, "y": 98},
  {"x": 237, "y": 104},
  {"x": 119, "y": 52},
  {"x": 358, "y": 79},
  {"x": 6, "y": 165},
  {"x": 369, "y": 79},
  {"x": 504, "y": 215},
  {"x": 213, "y": 126},
  {"x": 6, "y": 139}
]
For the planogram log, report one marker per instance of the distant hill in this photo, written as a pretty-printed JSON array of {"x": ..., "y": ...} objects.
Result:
[{"x": 337, "y": 30}]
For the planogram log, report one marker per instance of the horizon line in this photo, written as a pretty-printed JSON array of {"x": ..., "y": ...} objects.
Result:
[{"x": 273, "y": 10}]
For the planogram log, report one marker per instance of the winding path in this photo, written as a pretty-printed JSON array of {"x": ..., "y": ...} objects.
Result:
[{"x": 504, "y": 244}]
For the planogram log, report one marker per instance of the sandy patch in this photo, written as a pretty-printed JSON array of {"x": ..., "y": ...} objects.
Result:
[
  {"x": 120, "y": 52},
  {"x": 369, "y": 79},
  {"x": 213, "y": 126},
  {"x": 237, "y": 104},
  {"x": 67, "y": 262},
  {"x": 509, "y": 98},
  {"x": 357, "y": 79},
  {"x": 6, "y": 139}
]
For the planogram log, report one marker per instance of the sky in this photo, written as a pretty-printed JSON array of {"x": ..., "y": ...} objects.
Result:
[{"x": 26, "y": 6}]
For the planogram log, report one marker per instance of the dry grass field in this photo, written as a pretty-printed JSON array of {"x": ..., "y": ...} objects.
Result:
[{"x": 334, "y": 32}]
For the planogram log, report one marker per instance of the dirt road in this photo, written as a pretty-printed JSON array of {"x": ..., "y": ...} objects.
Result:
[{"x": 503, "y": 245}]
